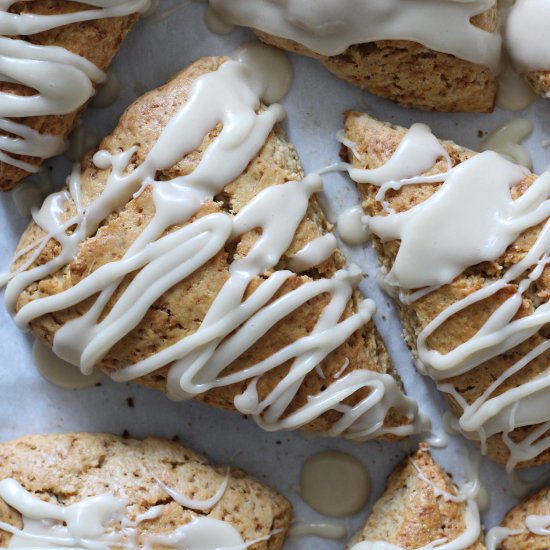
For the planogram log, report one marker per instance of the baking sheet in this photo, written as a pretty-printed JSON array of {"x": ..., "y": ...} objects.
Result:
[{"x": 155, "y": 50}]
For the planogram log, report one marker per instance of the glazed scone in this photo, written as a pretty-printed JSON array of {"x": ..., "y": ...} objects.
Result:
[
  {"x": 96, "y": 40},
  {"x": 410, "y": 514},
  {"x": 537, "y": 509},
  {"x": 403, "y": 71},
  {"x": 178, "y": 314},
  {"x": 65, "y": 469},
  {"x": 441, "y": 314}
]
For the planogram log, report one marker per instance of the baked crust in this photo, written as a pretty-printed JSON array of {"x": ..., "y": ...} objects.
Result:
[
  {"x": 537, "y": 505},
  {"x": 411, "y": 74},
  {"x": 409, "y": 514},
  {"x": 66, "y": 468},
  {"x": 539, "y": 81},
  {"x": 181, "y": 310},
  {"x": 98, "y": 41},
  {"x": 375, "y": 143}
]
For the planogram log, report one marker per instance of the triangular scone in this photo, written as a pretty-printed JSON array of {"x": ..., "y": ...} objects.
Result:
[
  {"x": 523, "y": 524},
  {"x": 374, "y": 143},
  {"x": 180, "y": 311},
  {"x": 403, "y": 71},
  {"x": 413, "y": 512},
  {"x": 97, "y": 41},
  {"x": 139, "y": 473}
]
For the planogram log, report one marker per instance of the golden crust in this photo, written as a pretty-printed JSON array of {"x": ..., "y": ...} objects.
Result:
[
  {"x": 98, "y": 41},
  {"x": 537, "y": 505},
  {"x": 539, "y": 81},
  {"x": 180, "y": 311},
  {"x": 67, "y": 468},
  {"x": 409, "y": 514},
  {"x": 375, "y": 142},
  {"x": 411, "y": 74}
]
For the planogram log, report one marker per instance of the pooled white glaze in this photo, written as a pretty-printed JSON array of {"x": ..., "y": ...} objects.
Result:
[
  {"x": 332, "y": 531},
  {"x": 329, "y": 27},
  {"x": 527, "y": 35},
  {"x": 506, "y": 140},
  {"x": 63, "y": 80},
  {"x": 233, "y": 324},
  {"x": 470, "y": 219},
  {"x": 352, "y": 226},
  {"x": 32, "y": 192},
  {"x": 100, "y": 523},
  {"x": 514, "y": 93},
  {"x": 334, "y": 484},
  {"x": 59, "y": 372}
]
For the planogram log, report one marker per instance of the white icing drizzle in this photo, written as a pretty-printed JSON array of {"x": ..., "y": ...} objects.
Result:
[
  {"x": 537, "y": 525},
  {"x": 514, "y": 93},
  {"x": 329, "y": 27},
  {"x": 231, "y": 325},
  {"x": 63, "y": 80},
  {"x": 449, "y": 232},
  {"x": 334, "y": 484},
  {"x": 497, "y": 535},
  {"x": 506, "y": 140},
  {"x": 59, "y": 372},
  {"x": 527, "y": 36},
  {"x": 100, "y": 523},
  {"x": 353, "y": 226}
]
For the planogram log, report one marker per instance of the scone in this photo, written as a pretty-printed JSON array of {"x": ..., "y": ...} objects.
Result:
[
  {"x": 525, "y": 527},
  {"x": 420, "y": 505},
  {"x": 68, "y": 50},
  {"x": 526, "y": 32},
  {"x": 244, "y": 302},
  {"x": 390, "y": 49},
  {"x": 105, "y": 491},
  {"x": 469, "y": 275}
]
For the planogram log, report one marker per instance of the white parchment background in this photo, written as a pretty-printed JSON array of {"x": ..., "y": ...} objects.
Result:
[{"x": 154, "y": 51}]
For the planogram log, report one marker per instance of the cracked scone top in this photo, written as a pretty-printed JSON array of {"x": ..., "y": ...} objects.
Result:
[
  {"x": 190, "y": 255},
  {"x": 53, "y": 54},
  {"x": 102, "y": 491},
  {"x": 423, "y": 54},
  {"x": 421, "y": 509},
  {"x": 463, "y": 243}
]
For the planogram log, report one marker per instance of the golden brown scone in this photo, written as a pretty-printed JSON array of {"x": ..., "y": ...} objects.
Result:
[
  {"x": 411, "y": 74},
  {"x": 67, "y": 468},
  {"x": 409, "y": 514},
  {"x": 539, "y": 81},
  {"x": 181, "y": 310},
  {"x": 98, "y": 41},
  {"x": 537, "y": 505},
  {"x": 376, "y": 142}
]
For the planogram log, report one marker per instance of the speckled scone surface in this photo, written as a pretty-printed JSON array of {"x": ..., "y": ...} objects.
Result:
[
  {"x": 409, "y": 514},
  {"x": 180, "y": 311},
  {"x": 537, "y": 505},
  {"x": 65, "y": 469},
  {"x": 411, "y": 74},
  {"x": 98, "y": 41},
  {"x": 376, "y": 142},
  {"x": 539, "y": 81}
]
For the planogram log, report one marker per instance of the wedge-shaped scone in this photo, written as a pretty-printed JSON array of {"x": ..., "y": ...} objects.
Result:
[
  {"x": 55, "y": 57},
  {"x": 106, "y": 491},
  {"x": 345, "y": 37},
  {"x": 421, "y": 505},
  {"x": 470, "y": 273},
  {"x": 243, "y": 302},
  {"x": 524, "y": 527},
  {"x": 526, "y": 38}
]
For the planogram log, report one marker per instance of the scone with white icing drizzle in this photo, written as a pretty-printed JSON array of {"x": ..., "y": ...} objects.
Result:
[
  {"x": 190, "y": 255},
  {"x": 525, "y": 527},
  {"x": 526, "y": 34},
  {"x": 54, "y": 54},
  {"x": 421, "y": 505},
  {"x": 101, "y": 491},
  {"x": 441, "y": 56},
  {"x": 462, "y": 240}
]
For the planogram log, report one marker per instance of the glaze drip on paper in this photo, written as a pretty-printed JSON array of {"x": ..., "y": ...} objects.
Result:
[
  {"x": 234, "y": 322},
  {"x": 449, "y": 232},
  {"x": 63, "y": 80}
]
